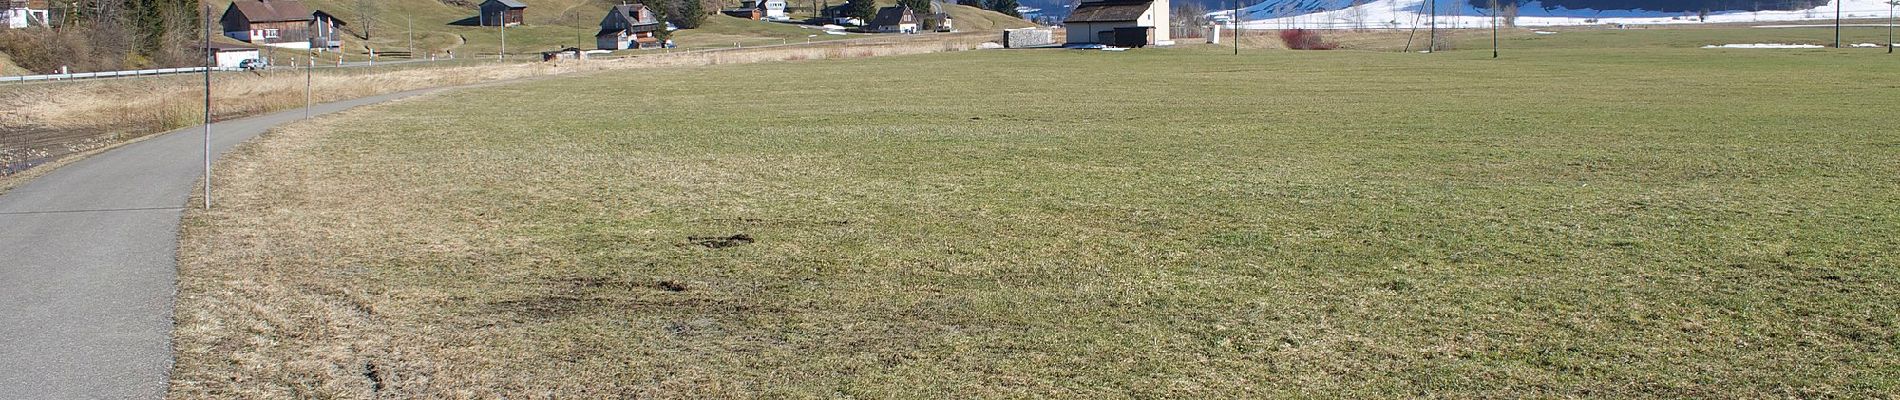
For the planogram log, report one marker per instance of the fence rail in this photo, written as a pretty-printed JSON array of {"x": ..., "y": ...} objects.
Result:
[{"x": 108, "y": 74}]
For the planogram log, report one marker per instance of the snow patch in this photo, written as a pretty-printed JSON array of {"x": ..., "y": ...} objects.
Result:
[{"x": 1392, "y": 14}]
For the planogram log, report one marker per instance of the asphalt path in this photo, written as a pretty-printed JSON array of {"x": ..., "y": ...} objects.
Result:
[{"x": 88, "y": 263}]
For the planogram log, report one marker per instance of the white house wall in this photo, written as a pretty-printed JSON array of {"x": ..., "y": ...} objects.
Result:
[
  {"x": 1084, "y": 32},
  {"x": 231, "y": 59},
  {"x": 290, "y": 45},
  {"x": 23, "y": 17},
  {"x": 774, "y": 9},
  {"x": 1158, "y": 18}
]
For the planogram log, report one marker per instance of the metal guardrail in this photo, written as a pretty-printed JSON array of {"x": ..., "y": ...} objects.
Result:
[{"x": 108, "y": 74}]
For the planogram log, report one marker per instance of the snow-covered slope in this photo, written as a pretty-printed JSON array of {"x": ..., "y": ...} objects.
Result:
[{"x": 1342, "y": 14}]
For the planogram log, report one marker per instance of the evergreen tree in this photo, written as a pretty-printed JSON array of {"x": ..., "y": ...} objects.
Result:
[
  {"x": 918, "y": 6},
  {"x": 861, "y": 9},
  {"x": 691, "y": 14}
]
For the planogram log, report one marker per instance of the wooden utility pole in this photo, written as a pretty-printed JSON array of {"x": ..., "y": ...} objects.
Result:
[
  {"x": 1236, "y": 21},
  {"x": 211, "y": 59},
  {"x": 1494, "y": 28},
  {"x": 307, "y": 94},
  {"x": 1432, "y": 45},
  {"x": 1837, "y": 23}
]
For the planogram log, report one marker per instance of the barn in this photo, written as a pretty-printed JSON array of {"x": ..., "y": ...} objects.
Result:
[
  {"x": 277, "y": 23},
  {"x": 501, "y": 12},
  {"x": 1124, "y": 23}
]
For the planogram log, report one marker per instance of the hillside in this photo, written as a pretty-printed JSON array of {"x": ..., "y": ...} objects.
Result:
[
  {"x": 8, "y": 68},
  {"x": 970, "y": 19},
  {"x": 440, "y": 27}
]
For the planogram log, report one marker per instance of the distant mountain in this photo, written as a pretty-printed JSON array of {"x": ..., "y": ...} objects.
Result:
[
  {"x": 1344, "y": 14},
  {"x": 1671, "y": 5},
  {"x": 1578, "y": 9}
]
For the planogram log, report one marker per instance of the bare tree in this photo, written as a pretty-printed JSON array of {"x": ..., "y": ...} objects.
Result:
[
  {"x": 179, "y": 27},
  {"x": 1188, "y": 18},
  {"x": 1356, "y": 13},
  {"x": 1510, "y": 13},
  {"x": 1285, "y": 11},
  {"x": 111, "y": 41},
  {"x": 366, "y": 12}
]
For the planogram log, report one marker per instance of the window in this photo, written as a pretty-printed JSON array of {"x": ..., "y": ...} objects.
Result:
[{"x": 270, "y": 33}]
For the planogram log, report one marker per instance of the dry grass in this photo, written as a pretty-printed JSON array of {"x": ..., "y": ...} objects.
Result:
[
  {"x": 7, "y": 67},
  {"x": 50, "y": 121},
  {"x": 1692, "y": 224}
]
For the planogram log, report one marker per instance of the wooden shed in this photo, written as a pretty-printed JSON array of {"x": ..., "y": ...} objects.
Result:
[
  {"x": 326, "y": 31},
  {"x": 502, "y": 12}
]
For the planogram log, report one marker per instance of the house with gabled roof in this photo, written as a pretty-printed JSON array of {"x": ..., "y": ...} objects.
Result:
[
  {"x": 277, "y": 23},
  {"x": 897, "y": 19},
  {"x": 769, "y": 9},
  {"x": 1126, "y": 23},
  {"x": 629, "y": 26}
]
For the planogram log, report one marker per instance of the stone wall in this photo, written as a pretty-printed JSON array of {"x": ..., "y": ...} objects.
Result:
[{"x": 1028, "y": 37}]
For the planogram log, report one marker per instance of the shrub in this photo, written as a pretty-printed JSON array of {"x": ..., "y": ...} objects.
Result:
[{"x": 1305, "y": 39}]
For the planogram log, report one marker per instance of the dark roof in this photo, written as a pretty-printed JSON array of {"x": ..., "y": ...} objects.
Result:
[
  {"x": 272, "y": 11},
  {"x": 509, "y": 3},
  {"x": 332, "y": 17},
  {"x": 227, "y": 47},
  {"x": 890, "y": 15},
  {"x": 629, "y": 17},
  {"x": 1109, "y": 11}
]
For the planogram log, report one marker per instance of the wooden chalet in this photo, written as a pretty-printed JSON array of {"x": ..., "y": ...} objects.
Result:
[
  {"x": 277, "y": 23},
  {"x": 629, "y": 26}
]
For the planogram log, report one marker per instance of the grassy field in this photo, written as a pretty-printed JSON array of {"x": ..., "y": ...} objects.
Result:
[{"x": 1569, "y": 221}]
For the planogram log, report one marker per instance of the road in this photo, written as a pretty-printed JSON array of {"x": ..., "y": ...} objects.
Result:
[{"x": 88, "y": 265}]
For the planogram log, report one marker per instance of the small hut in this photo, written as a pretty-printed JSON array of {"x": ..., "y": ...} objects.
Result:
[{"x": 501, "y": 12}]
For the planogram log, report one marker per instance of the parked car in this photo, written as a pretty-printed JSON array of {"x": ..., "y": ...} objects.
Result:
[{"x": 253, "y": 64}]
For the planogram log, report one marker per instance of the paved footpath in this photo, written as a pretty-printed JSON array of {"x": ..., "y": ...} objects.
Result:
[{"x": 88, "y": 263}]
